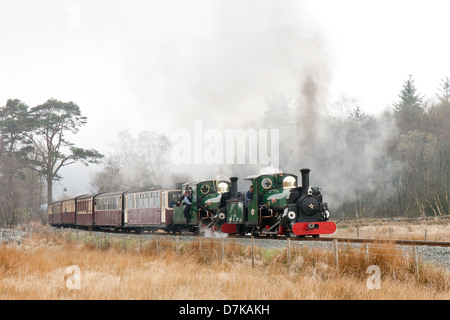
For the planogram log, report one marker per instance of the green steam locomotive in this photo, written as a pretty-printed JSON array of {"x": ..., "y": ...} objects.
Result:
[{"x": 275, "y": 207}]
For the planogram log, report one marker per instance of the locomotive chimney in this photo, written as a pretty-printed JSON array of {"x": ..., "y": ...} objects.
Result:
[
  {"x": 305, "y": 181},
  {"x": 234, "y": 187}
]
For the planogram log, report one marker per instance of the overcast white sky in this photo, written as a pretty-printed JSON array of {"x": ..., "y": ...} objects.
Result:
[{"x": 140, "y": 65}]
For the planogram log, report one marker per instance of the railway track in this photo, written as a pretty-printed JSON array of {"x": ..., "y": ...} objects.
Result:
[
  {"x": 434, "y": 252},
  {"x": 367, "y": 241},
  {"x": 323, "y": 239}
]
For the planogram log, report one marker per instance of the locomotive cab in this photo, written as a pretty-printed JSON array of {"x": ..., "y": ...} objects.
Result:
[
  {"x": 278, "y": 206},
  {"x": 268, "y": 203},
  {"x": 206, "y": 202}
]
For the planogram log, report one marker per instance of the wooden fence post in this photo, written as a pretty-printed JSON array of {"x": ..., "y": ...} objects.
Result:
[
  {"x": 253, "y": 251},
  {"x": 288, "y": 250},
  {"x": 335, "y": 249},
  {"x": 367, "y": 253},
  {"x": 416, "y": 261}
]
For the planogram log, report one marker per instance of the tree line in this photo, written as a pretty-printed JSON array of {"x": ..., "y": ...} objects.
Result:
[
  {"x": 393, "y": 164},
  {"x": 422, "y": 147}
]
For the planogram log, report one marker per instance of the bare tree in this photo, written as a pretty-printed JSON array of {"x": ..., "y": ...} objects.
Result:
[{"x": 134, "y": 163}]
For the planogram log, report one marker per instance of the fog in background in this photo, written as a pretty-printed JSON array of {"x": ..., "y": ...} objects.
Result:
[{"x": 144, "y": 69}]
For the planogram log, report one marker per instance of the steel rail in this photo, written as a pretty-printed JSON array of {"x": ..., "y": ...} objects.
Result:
[
  {"x": 360, "y": 240},
  {"x": 323, "y": 239}
]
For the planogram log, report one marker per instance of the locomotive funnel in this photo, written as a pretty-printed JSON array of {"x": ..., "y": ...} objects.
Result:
[
  {"x": 234, "y": 187},
  {"x": 305, "y": 181}
]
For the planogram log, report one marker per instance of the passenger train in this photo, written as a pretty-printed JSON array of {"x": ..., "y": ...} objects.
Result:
[{"x": 277, "y": 207}]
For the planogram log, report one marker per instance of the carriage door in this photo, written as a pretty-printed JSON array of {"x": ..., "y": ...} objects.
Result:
[{"x": 163, "y": 207}]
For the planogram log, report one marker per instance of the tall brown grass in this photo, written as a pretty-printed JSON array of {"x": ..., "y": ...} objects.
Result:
[
  {"x": 435, "y": 230},
  {"x": 169, "y": 270}
]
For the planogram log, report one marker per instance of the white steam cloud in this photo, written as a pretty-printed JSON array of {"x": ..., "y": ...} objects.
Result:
[{"x": 253, "y": 64}]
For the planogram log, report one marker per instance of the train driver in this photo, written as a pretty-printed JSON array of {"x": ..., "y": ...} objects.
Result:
[
  {"x": 248, "y": 196},
  {"x": 187, "y": 199}
]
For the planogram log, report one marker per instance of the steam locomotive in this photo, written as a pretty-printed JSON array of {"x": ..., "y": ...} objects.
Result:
[{"x": 277, "y": 207}]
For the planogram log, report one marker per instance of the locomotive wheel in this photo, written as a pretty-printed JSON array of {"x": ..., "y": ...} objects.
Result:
[{"x": 241, "y": 230}]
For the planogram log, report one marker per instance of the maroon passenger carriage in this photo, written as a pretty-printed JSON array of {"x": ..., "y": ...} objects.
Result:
[
  {"x": 149, "y": 209},
  {"x": 54, "y": 214},
  {"x": 108, "y": 210},
  {"x": 68, "y": 208},
  {"x": 134, "y": 210},
  {"x": 63, "y": 213},
  {"x": 85, "y": 211}
]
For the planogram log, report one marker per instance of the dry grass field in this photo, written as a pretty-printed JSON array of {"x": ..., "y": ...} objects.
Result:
[
  {"x": 435, "y": 230},
  {"x": 38, "y": 269}
]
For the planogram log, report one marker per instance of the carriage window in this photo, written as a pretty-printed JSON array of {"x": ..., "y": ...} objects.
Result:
[
  {"x": 110, "y": 203},
  {"x": 172, "y": 198},
  {"x": 145, "y": 201},
  {"x": 152, "y": 202},
  {"x": 139, "y": 201}
]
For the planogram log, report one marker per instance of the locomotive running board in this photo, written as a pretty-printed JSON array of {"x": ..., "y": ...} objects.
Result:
[{"x": 314, "y": 228}]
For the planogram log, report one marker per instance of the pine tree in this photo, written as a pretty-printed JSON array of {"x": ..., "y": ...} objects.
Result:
[
  {"x": 357, "y": 114},
  {"x": 47, "y": 126},
  {"x": 444, "y": 95},
  {"x": 409, "y": 98},
  {"x": 410, "y": 108}
]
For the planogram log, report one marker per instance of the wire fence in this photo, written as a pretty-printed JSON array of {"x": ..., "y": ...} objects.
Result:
[
  {"x": 255, "y": 251},
  {"x": 341, "y": 255}
]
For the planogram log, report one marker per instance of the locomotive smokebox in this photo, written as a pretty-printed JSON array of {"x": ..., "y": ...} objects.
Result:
[
  {"x": 234, "y": 187},
  {"x": 305, "y": 181}
]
